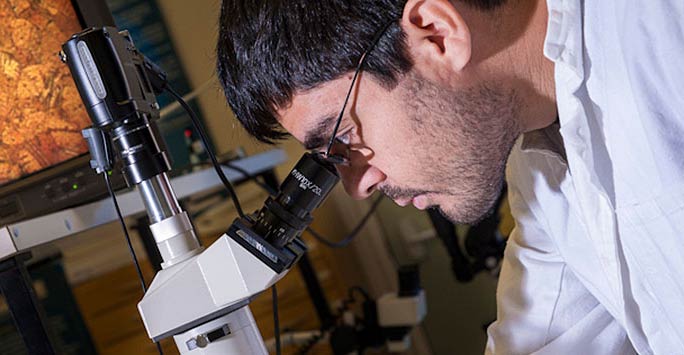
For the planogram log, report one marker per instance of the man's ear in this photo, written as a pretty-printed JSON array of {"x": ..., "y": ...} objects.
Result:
[{"x": 438, "y": 37}]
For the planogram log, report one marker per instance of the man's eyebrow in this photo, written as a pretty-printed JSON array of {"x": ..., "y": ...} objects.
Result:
[{"x": 319, "y": 136}]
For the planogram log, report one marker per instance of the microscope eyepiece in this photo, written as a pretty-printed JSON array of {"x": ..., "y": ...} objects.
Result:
[
  {"x": 287, "y": 215},
  {"x": 307, "y": 185}
]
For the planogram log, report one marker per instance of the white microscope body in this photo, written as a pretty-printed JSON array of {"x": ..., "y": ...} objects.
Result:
[
  {"x": 214, "y": 286},
  {"x": 200, "y": 297}
]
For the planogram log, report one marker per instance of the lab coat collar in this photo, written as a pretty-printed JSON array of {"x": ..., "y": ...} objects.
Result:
[{"x": 563, "y": 44}]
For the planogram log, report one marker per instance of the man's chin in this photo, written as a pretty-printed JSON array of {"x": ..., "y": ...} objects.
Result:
[
  {"x": 459, "y": 218},
  {"x": 469, "y": 216}
]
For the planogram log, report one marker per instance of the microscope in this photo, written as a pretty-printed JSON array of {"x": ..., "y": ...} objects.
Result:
[{"x": 201, "y": 296}]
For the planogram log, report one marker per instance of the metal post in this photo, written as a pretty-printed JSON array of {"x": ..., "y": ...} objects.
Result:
[
  {"x": 153, "y": 254},
  {"x": 159, "y": 199},
  {"x": 170, "y": 226}
]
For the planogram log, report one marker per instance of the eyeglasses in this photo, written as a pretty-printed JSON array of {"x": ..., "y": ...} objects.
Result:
[{"x": 338, "y": 159}]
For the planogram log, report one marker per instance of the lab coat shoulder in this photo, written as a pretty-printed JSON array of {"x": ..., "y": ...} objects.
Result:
[{"x": 543, "y": 306}]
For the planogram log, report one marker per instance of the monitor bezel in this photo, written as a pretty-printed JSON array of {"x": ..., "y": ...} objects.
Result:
[
  {"x": 90, "y": 13},
  {"x": 93, "y": 13}
]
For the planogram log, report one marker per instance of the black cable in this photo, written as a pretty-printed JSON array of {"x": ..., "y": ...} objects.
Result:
[
  {"x": 108, "y": 182},
  {"x": 360, "y": 290},
  {"x": 205, "y": 140},
  {"x": 350, "y": 237},
  {"x": 327, "y": 329},
  {"x": 125, "y": 230},
  {"x": 276, "y": 321},
  {"x": 311, "y": 342},
  {"x": 247, "y": 176}
]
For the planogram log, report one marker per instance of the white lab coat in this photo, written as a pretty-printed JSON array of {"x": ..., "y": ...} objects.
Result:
[{"x": 595, "y": 264}]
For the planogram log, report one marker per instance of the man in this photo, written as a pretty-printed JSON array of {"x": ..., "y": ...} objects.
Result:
[{"x": 583, "y": 99}]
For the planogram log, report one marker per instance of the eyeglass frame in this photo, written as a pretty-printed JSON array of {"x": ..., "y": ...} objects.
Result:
[{"x": 344, "y": 160}]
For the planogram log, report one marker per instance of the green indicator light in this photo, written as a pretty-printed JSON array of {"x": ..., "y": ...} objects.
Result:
[
  {"x": 109, "y": 173},
  {"x": 74, "y": 186}
]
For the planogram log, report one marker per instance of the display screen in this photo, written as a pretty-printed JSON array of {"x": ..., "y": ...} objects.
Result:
[{"x": 41, "y": 113}]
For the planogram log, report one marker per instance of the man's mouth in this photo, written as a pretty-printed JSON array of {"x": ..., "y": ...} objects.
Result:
[
  {"x": 403, "y": 201},
  {"x": 420, "y": 201},
  {"x": 404, "y": 197}
]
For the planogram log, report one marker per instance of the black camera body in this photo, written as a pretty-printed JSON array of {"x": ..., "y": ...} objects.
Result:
[{"x": 111, "y": 77}]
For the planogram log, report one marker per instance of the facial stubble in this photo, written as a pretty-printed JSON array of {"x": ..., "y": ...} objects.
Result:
[{"x": 466, "y": 136}]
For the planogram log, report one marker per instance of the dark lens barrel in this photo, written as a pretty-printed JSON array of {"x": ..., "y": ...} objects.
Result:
[
  {"x": 307, "y": 186},
  {"x": 140, "y": 150}
]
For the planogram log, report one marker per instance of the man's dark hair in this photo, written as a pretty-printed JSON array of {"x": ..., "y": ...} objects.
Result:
[{"x": 268, "y": 50}]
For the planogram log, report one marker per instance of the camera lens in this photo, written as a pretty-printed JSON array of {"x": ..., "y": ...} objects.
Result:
[{"x": 140, "y": 149}]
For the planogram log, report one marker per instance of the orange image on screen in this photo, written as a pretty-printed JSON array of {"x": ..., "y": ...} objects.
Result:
[{"x": 41, "y": 113}]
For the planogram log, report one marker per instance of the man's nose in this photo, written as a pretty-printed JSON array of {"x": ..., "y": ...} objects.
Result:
[{"x": 360, "y": 180}]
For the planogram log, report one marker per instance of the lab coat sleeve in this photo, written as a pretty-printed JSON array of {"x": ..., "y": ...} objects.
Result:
[{"x": 542, "y": 307}]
